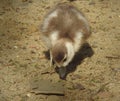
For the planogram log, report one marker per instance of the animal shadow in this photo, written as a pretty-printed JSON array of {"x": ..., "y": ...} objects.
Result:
[
  {"x": 84, "y": 52},
  {"x": 47, "y": 54}
]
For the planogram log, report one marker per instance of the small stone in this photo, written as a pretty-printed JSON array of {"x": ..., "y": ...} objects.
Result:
[
  {"x": 15, "y": 47},
  {"x": 78, "y": 86},
  {"x": 33, "y": 52},
  {"x": 29, "y": 94}
]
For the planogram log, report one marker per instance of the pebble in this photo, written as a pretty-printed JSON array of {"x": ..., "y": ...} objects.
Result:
[
  {"x": 33, "y": 51},
  {"x": 78, "y": 86},
  {"x": 29, "y": 94},
  {"x": 15, "y": 47}
]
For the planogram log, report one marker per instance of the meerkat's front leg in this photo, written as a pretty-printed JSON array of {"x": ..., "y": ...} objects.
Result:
[{"x": 51, "y": 60}]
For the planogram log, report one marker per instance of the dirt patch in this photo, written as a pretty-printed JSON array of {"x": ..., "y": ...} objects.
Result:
[{"x": 96, "y": 77}]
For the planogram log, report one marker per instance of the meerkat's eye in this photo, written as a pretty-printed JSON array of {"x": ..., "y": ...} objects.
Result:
[{"x": 64, "y": 59}]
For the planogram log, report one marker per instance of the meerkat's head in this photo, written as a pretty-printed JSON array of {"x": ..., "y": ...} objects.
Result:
[{"x": 62, "y": 53}]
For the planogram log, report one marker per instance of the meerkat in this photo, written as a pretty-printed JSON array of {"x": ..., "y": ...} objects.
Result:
[{"x": 64, "y": 29}]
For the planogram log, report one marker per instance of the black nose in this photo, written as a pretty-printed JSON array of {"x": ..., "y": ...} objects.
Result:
[{"x": 62, "y": 72}]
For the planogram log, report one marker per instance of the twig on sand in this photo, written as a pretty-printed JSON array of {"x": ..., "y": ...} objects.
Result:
[
  {"x": 47, "y": 72},
  {"x": 113, "y": 57}
]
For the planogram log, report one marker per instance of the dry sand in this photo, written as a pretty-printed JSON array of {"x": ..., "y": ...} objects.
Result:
[{"x": 22, "y": 52}]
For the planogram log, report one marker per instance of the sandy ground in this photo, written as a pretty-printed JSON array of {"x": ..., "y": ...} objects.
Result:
[{"x": 22, "y": 52}]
